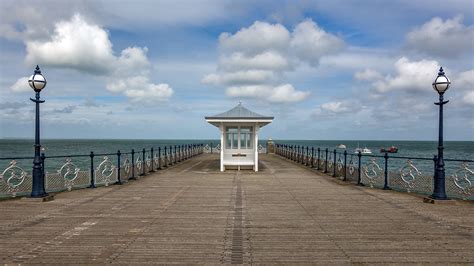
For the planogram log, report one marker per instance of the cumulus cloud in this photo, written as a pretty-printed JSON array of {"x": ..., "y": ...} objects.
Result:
[
  {"x": 469, "y": 98},
  {"x": 336, "y": 108},
  {"x": 75, "y": 44},
  {"x": 368, "y": 74},
  {"x": 309, "y": 42},
  {"x": 442, "y": 38},
  {"x": 259, "y": 37},
  {"x": 253, "y": 60},
  {"x": 21, "y": 85},
  {"x": 409, "y": 76},
  {"x": 86, "y": 47},
  {"x": 285, "y": 93}
]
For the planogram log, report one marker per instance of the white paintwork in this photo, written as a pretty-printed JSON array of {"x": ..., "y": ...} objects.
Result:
[
  {"x": 251, "y": 155},
  {"x": 222, "y": 145},
  {"x": 255, "y": 167}
]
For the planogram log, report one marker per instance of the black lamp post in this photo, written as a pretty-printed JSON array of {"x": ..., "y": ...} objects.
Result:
[
  {"x": 37, "y": 82},
  {"x": 441, "y": 85}
]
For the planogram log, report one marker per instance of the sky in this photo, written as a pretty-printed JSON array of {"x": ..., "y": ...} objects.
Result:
[{"x": 326, "y": 70}]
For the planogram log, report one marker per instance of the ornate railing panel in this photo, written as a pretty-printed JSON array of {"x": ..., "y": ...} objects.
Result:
[
  {"x": 106, "y": 172},
  {"x": 13, "y": 177},
  {"x": 372, "y": 173},
  {"x": 463, "y": 181}
]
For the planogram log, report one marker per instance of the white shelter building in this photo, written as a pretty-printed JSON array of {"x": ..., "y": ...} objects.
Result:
[{"x": 239, "y": 136}]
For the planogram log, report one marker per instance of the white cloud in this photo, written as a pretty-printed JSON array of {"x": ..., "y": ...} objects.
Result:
[
  {"x": 309, "y": 42},
  {"x": 259, "y": 37},
  {"x": 285, "y": 93},
  {"x": 21, "y": 85},
  {"x": 464, "y": 80},
  {"x": 336, "y": 107},
  {"x": 266, "y": 60},
  {"x": 254, "y": 59},
  {"x": 409, "y": 76},
  {"x": 86, "y": 47},
  {"x": 240, "y": 77},
  {"x": 442, "y": 38},
  {"x": 468, "y": 98},
  {"x": 368, "y": 74},
  {"x": 75, "y": 44},
  {"x": 150, "y": 94}
]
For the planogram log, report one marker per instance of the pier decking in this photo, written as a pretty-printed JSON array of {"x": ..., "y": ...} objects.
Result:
[{"x": 192, "y": 213}]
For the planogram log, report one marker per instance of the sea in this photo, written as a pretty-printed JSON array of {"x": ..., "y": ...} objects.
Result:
[{"x": 63, "y": 148}]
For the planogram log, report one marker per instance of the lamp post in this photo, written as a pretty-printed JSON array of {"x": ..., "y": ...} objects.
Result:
[
  {"x": 441, "y": 85},
  {"x": 37, "y": 82}
]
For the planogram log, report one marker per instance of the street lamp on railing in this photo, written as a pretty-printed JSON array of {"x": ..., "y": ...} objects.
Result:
[
  {"x": 37, "y": 82},
  {"x": 441, "y": 85}
]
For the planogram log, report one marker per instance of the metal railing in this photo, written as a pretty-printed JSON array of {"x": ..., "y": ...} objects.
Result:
[
  {"x": 68, "y": 172},
  {"x": 402, "y": 173}
]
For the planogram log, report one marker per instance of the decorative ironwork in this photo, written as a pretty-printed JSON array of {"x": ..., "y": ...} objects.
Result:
[
  {"x": 462, "y": 178},
  {"x": 69, "y": 172},
  {"x": 409, "y": 173},
  {"x": 351, "y": 167},
  {"x": 156, "y": 159},
  {"x": 207, "y": 148},
  {"x": 340, "y": 164},
  {"x": 218, "y": 147},
  {"x": 371, "y": 171},
  {"x": 127, "y": 166},
  {"x": 148, "y": 161},
  {"x": 330, "y": 162},
  {"x": 105, "y": 170},
  {"x": 139, "y": 164},
  {"x": 13, "y": 176}
]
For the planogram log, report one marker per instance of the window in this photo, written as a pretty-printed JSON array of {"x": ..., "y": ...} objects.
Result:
[
  {"x": 232, "y": 134},
  {"x": 238, "y": 138},
  {"x": 246, "y": 138}
]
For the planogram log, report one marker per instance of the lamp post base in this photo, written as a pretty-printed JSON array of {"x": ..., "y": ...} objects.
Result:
[
  {"x": 438, "y": 201},
  {"x": 44, "y": 198}
]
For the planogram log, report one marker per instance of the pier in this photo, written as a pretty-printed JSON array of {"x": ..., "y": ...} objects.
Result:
[{"x": 192, "y": 213}]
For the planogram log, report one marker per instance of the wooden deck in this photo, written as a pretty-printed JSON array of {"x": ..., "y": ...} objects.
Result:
[{"x": 192, "y": 213}]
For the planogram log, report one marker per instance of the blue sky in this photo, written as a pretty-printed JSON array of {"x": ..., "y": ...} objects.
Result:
[{"x": 154, "y": 69}]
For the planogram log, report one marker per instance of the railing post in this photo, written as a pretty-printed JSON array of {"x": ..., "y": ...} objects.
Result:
[
  {"x": 175, "y": 161},
  {"x": 385, "y": 184},
  {"x": 359, "y": 172},
  {"x": 210, "y": 144},
  {"x": 159, "y": 158},
  {"x": 171, "y": 154},
  {"x": 307, "y": 156},
  {"x": 319, "y": 158},
  {"x": 312, "y": 157},
  {"x": 334, "y": 164},
  {"x": 92, "y": 185},
  {"x": 119, "y": 180},
  {"x": 144, "y": 162},
  {"x": 164, "y": 157},
  {"x": 152, "y": 160},
  {"x": 43, "y": 170},
  {"x": 133, "y": 166},
  {"x": 326, "y": 162},
  {"x": 345, "y": 165}
]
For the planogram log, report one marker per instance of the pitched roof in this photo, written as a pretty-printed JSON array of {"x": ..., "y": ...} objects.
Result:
[{"x": 239, "y": 112}]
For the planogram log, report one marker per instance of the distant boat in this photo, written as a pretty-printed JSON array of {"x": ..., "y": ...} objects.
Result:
[
  {"x": 391, "y": 149},
  {"x": 341, "y": 146},
  {"x": 365, "y": 150}
]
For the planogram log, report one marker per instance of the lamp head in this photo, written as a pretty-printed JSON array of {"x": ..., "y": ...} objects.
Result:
[
  {"x": 37, "y": 82},
  {"x": 441, "y": 83}
]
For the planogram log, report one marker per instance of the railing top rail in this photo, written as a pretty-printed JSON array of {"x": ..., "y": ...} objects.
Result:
[{"x": 389, "y": 156}]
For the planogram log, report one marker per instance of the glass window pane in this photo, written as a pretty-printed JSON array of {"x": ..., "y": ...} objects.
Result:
[
  {"x": 228, "y": 141},
  {"x": 235, "y": 141}
]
